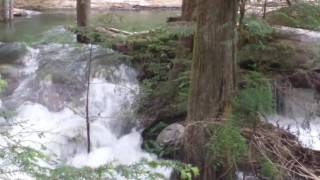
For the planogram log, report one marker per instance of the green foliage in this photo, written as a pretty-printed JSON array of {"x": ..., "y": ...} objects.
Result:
[
  {"x": 254, "y": 99},
  {"x": 153, "y": 147},
  {"x": 18, "y": 158},
  {"x": 142, "y": 170},
  {"x": 225, "y": 143},
  {"x": 166, "y": 67},
  {"x": 3, "y": 84},
  {"x": 301, "y": 15},
  {"x": 179, "y": 30},
  {"x": 269, "y": 169},
  {"x": 259, "y": 52},
  {"x": 256, "y": 28},
  {"x": 266, "y": 57}
]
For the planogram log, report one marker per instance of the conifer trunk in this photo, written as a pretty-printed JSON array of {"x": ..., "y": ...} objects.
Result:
[
  {"x": 212, "y": 79},
  {"x": 188, "y": 10}
]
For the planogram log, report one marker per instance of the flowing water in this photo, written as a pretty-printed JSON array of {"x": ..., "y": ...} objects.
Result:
[
  {"x": 299, "y": 113},
  {"x": 47, "y": 71}
]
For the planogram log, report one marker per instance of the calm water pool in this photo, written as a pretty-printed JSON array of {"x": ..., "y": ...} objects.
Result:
[{"x": 29, "y": 29}]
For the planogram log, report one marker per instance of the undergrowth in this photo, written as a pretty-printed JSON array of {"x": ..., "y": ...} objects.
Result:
[
  {"x": 226, "y": 144},
  {"x": 259, "y": 51},
  {"x": 301, "y": 15}
]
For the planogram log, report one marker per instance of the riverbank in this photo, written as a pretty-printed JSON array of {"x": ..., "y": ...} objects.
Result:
[{"x": 99, "y": 4}]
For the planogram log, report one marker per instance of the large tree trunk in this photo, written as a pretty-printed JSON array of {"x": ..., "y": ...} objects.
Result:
[
  {"x": 188, "y": 10},
  {"x": 212, "y": 79},
  {"x": 6, "y": 10},
  {"x": 83, "y": 15}
]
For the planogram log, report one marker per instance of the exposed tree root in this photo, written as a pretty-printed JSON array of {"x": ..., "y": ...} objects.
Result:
[{"x": 285, "y": 150}]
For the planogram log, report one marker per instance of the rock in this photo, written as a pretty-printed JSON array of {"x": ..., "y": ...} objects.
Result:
[
  {"x": 171, "y": 135},
  {"x": 123, "y": 48},
  {"x": 12, "y": 53},
  {"x": 24, "y": 12},
  {"x": 306, "y": 79}
]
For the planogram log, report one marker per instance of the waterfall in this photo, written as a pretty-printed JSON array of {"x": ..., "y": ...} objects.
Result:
[
  {"x": 46, "y": 92},
  {"x": 298, "y": 111}
]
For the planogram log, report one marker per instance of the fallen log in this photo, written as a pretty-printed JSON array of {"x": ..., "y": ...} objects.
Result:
[
  {"x": 297, "y": 34},
  {"x": 115, "y": 31}
]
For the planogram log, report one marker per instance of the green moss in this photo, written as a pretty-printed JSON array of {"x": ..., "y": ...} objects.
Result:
[{"x": 300, "y": 15}]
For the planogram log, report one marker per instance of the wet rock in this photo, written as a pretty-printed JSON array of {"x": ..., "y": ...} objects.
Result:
[
  {"x": 306, "y": 79},
  {"x": 171, "y": 135},
  {"x": 123, "y": 48},
  {"x": 12, "y": 53}
]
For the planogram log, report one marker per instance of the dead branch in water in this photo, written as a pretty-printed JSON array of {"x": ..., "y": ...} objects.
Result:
[
  {"x": 87, "y": 102},
  {"x": 285, "y": 150}
]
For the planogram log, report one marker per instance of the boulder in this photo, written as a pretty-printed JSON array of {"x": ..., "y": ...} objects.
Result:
[
  {"x": 306, "y": 79},
  {"x": 12, "y": 53},
  {"x": 171, "y": 135}
]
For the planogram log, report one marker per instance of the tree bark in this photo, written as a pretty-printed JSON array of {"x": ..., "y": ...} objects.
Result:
[
  {"x": 83, "y": 15},
  {"x": 212, "y": 79},
  {"x": 288, "y": 2},
  {"x": 265, "y": 9},
  {"x": 6, "y": 10},
  {"x": 188, "y": 10},
  {"x": 242, "y": 12}
]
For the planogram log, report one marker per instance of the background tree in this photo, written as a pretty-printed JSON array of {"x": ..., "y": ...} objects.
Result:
[
  {"x": 83, "y": 15},
  {"x": 188, "y": 10},
  {"x": 212, "y": 79},
  {"x": 6, "y": 10}
]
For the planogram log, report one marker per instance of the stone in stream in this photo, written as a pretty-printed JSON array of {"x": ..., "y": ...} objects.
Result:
[
  {"x": 306, "y": 79},
  {"x": 171, "y": 135},
  {"x": 11, "y": 53}
]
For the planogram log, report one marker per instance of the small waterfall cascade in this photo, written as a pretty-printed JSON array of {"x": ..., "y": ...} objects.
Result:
[
  {"x": 46, "y": 94},
  {"x": 298, "y": 110}
]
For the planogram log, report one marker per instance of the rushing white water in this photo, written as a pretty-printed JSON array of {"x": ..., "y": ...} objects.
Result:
[
  {"x": 300, "y": 115},
  {"x": 49, "y": 96}
]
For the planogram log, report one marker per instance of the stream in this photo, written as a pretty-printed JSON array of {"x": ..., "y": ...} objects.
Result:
[{"x": 44, "y": 102}]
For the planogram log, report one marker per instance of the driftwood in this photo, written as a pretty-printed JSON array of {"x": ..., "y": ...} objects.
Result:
[
  {"x": 113, "y": 32},
  {"x": 285, "y": 150}
]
